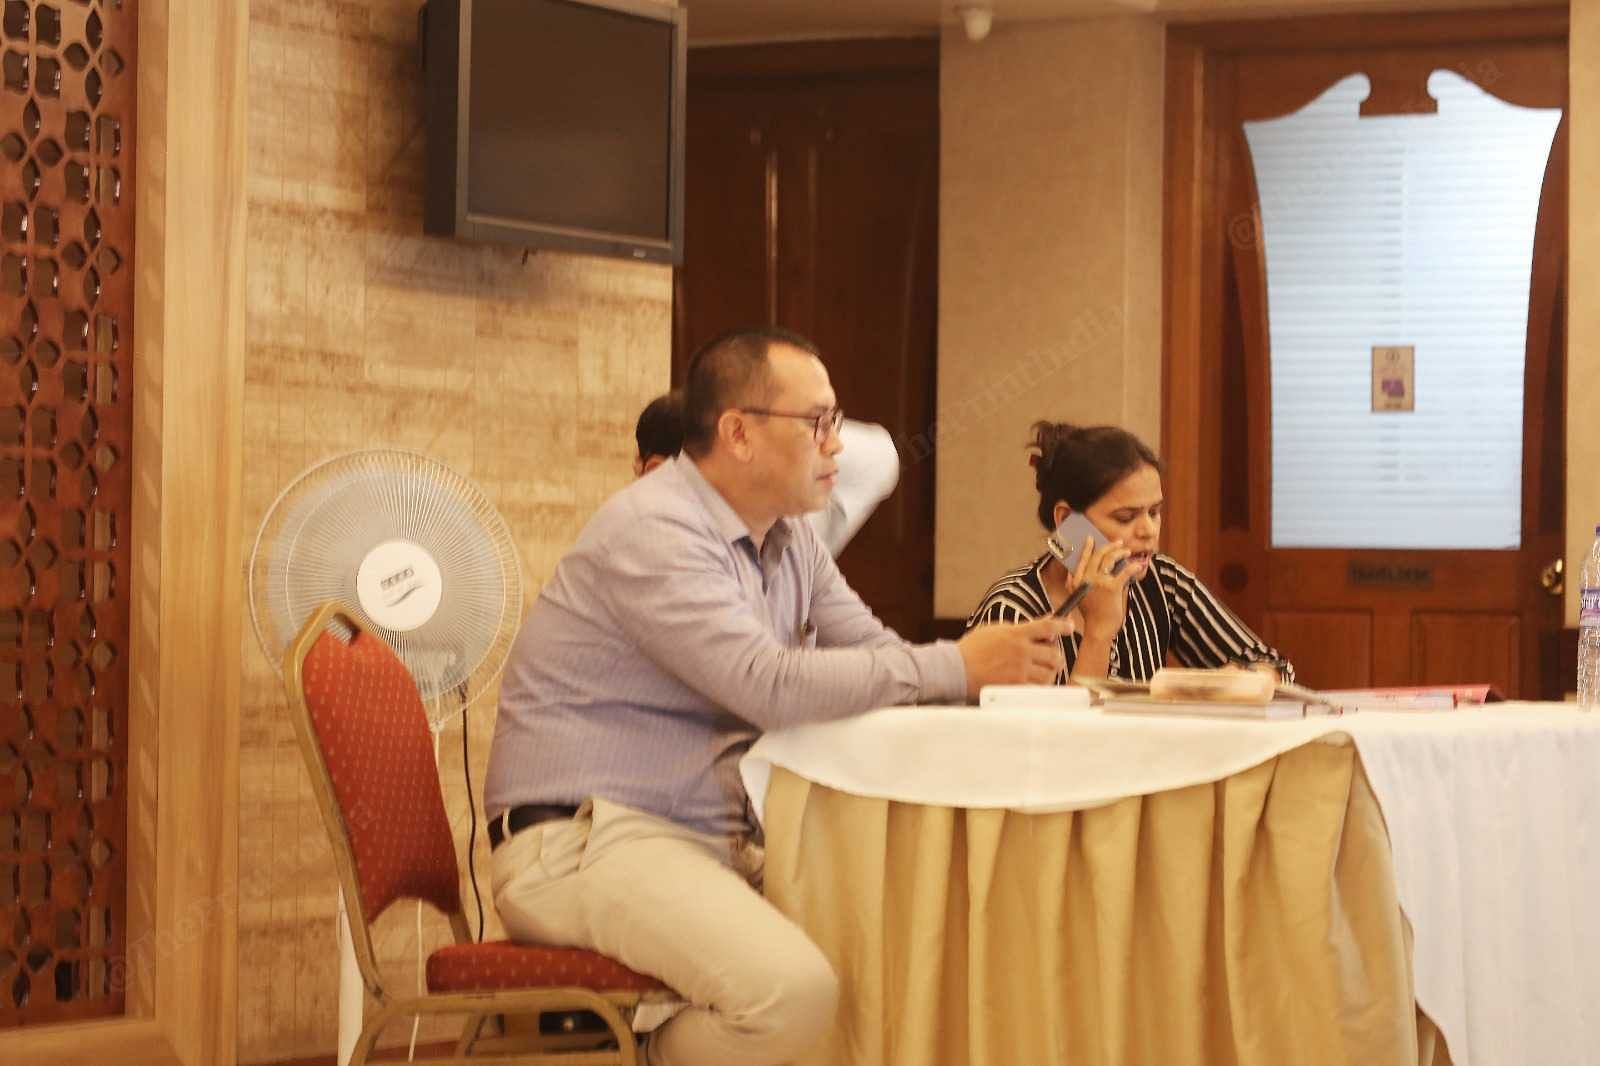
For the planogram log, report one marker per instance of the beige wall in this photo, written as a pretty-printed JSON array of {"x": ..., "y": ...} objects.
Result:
[
  {"x": 1049, "y": 269},
  {"x": 526, "y": 378},
  {"x": 1583, "y": 313}
]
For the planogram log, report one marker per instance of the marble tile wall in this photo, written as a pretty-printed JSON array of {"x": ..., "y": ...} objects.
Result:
[{"x": 525, "y": 376}]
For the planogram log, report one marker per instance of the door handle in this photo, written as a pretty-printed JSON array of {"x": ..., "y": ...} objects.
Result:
[{"x": 1554, "y": 577}]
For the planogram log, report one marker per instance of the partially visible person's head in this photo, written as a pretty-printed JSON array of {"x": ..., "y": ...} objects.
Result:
[
  {"x": 659, "y": 432},
  {"x": 1105, "y": 473},
  {"x": 758, "y": 402}
]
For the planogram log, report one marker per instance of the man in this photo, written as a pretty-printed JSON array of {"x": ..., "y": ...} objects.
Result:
[
  {"x": 869, "y": 466},
  {"x": 694, "y": 612},
  {"x": 659, "y": 432}
]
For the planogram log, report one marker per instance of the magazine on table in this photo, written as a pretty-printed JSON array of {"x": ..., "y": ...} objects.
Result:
[{"x": 1212, "y": 694}]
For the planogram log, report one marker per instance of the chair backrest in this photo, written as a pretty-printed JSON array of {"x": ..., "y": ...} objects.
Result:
[{"x": 366, "y": 742}]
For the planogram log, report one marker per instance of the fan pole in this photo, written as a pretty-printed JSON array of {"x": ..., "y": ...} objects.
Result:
[{"x": 350, "y": 990}]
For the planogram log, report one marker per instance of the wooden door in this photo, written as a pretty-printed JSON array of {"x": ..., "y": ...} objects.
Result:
[
  {"x": 812, "y": 179},
  {"x": 1353, "y": 617}
]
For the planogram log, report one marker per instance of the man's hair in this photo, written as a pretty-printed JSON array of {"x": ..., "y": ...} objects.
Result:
[
  {"x": 730, "y": 371},
  {"x": 659, "y": 430}
]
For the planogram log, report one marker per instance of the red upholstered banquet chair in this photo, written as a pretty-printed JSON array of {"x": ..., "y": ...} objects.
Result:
[{"x": 365, "y": 738}]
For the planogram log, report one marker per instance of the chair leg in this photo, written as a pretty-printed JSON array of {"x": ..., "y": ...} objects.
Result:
[
  {"x": 367, "y": 1039},
  {"x": 627, "y": 1045},
  {"x": 469, "y": 1034}
]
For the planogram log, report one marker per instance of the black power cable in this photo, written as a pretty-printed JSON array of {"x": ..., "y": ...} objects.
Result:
[{"x": 472, "y": 808}]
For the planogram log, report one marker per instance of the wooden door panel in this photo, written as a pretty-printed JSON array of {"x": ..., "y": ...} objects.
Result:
[
  {"x": 813, "y": 204},
  {"x": 1329, "y": 649},
  {"x": 1544, "y": 425},
  {"x": 731, "y": 165},
  {"x": 1381, "y": 579},
  {"x": 1464, "y": 647},
  {"x": 1430, "y": 616},
  {"x": 873, "y": 293},
  {"x": 1529, "y": 75}
]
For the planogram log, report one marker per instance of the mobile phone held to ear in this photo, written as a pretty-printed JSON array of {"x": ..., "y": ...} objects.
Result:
[
  {"x": 1069, "y": 536},
  {"x": 1067, "y": 544}
]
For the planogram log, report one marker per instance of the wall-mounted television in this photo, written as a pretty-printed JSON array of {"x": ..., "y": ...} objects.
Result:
[{"x": 556, "y": 124}]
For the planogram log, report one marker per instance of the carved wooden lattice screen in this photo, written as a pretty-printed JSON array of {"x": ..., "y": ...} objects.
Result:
[{"x": 66, "y": 303}]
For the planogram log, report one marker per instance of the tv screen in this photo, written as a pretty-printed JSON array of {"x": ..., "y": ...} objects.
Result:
[{"x": 557, "y": 123}]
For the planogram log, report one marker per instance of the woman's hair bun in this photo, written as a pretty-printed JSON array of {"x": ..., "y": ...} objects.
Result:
[
  {"x": 1078, "y": 464},
  {"x": 1043, "y": 449}
]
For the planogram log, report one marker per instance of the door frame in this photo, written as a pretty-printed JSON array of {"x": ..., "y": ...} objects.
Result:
[{"x": 1193, "y": 370}]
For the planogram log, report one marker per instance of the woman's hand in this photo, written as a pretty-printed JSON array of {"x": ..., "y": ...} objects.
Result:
[{"x": 1106, "y": 606}]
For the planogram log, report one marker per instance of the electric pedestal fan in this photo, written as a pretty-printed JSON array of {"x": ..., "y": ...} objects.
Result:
[{"x": 414, "y": 549}]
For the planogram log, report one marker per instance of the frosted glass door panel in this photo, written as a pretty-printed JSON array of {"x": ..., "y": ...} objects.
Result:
[{"x": 1399, "y": 230}]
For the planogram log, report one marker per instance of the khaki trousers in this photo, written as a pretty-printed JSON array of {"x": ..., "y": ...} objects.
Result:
[{"x": 679, "y": 906}]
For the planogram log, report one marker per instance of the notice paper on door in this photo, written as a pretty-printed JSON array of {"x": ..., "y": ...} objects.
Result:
[{"x": 1394, "y": 377}]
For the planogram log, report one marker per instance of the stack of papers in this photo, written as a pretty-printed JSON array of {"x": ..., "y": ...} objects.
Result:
[
  {"x": 1215, "y": 694},
  {"x": 1278, "y": 708},
  {"x": 1438, "y": 698}
]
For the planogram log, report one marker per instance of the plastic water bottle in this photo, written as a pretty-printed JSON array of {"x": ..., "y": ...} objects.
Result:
[{"x": 1589, "y": 630}]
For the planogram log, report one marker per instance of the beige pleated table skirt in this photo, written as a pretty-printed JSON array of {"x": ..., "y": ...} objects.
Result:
[{"x": 1252, "y": 921}]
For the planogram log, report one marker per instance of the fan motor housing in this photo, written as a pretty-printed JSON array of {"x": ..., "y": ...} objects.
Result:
[{"x": 399, "y": 585}]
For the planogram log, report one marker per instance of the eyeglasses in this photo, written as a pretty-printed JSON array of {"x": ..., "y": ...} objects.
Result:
[{"x": 827, "y": 422}]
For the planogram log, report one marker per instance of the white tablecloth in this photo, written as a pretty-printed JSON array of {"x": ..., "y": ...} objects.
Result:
[{"x": 1492, "y": 816}]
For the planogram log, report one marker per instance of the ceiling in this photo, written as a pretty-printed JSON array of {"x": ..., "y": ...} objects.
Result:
[
  {"x": 765, "y": 19},
  {"x": 714, "y": 21}
]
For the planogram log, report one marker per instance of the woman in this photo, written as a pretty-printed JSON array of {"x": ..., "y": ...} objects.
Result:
[{"x": 1130, "y": 621}]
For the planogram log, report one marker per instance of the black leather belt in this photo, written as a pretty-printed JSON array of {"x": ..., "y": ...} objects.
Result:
[{"x": 518, "y": 818}]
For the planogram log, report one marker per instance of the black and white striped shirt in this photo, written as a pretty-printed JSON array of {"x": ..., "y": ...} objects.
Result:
[{"x": 1168, "y": 609}]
